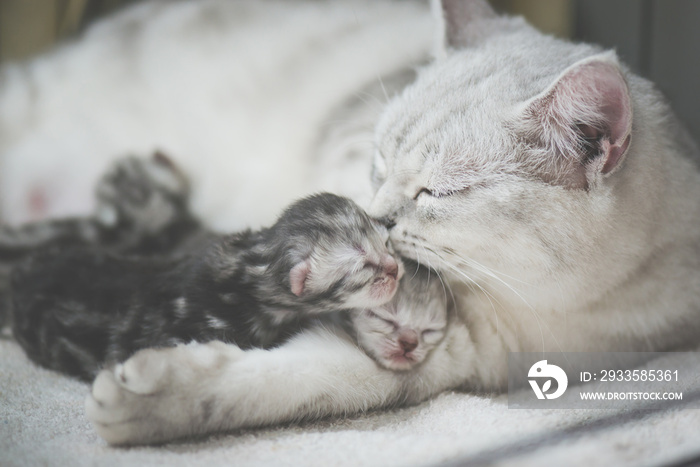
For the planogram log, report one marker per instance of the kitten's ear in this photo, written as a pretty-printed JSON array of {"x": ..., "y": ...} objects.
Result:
[
  {"x": 298, "y": 276},
  {"x": 459, "y": 22},
  {"x": 584, "y": 119}
]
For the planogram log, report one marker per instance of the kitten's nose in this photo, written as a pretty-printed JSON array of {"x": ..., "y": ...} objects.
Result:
[
  {"x": 390, "y": 267},
  {"x": 408, "y": 341}
]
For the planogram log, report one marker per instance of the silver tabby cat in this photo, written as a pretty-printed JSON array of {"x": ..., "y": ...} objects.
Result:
[{"x": 553, "y": 188}]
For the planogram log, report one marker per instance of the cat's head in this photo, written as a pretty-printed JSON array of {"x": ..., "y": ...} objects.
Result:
[
  {"x": 401, "y": 334},
  {"x": 505, "y": 151},
  {"x": 336, "y": 253}
]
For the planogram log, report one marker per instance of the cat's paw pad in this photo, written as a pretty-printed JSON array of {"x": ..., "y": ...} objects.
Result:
[
  {"x": 119, "y": 416},
  {"x": 129, "y": 403},
  {"x": 157, "y": 394},
  {"x": 108, "y": 405}
]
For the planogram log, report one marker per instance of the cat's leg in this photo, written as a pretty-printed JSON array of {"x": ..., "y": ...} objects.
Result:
[{"x": 164, "y": 394}]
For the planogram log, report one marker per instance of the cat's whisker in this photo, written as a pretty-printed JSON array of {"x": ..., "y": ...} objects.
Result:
[
  {"x": 538, "y": 318},
  {"x": 527, "y": 304},
  {"x": 471, "y": 283},
  {"x": 487, "y": 269},
  {"x": 491, "y": 297},
  {"x": 386, "y": 94},
  {"x": 375, "y": 102},
  {"x": 445, "y": 285},
  {"x": 480, "y": 268},
  {"x": 534, "y": 312}
]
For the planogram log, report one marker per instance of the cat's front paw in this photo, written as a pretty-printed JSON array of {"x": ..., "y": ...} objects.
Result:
[{"x": 156, "y": 395}]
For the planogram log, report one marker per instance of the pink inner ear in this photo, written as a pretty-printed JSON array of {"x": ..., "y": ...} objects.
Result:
[
  {"x": 297, "y": 277},
  {"x": 617, "y": 111},
  {"x": 596, "y": 94},
  {"x": 614, "y": 155},
  {"x": 590, "y": 98}
]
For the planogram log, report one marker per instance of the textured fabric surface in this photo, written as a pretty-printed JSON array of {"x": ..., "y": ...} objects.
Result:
[{"x": 42, "y": 422}]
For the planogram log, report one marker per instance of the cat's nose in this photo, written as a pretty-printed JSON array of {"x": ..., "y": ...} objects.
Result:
[{"x": 408, "y": 341}]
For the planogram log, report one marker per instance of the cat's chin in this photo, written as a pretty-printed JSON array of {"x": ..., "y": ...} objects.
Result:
[{"x": 399, "y": 362}]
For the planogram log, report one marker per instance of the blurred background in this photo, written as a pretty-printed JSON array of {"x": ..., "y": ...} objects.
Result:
[{"x": 659, "y": 39}]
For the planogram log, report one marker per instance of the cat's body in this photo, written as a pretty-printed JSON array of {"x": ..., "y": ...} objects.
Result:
[
  {"x": 552, "y": 186},
  {"x": 224, "y": 113},
  {"x": 75, "y": 310}
]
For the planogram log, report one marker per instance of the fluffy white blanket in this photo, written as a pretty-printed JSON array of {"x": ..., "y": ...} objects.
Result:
[{"x": 42, "y": 422}]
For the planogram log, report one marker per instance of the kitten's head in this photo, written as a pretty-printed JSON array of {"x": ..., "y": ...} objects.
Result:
[
  {"x": 334, "y": 254},
  {"x": 505, "y": 150},
  {"x": 142, "y": 193},
  {"x": 401, "y": 334}
]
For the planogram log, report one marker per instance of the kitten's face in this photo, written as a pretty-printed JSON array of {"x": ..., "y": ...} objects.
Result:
[
  {"x": 349, "y": 262},
  {"x": 363, "y": 273},
  {"x": 401, "y": 334}
]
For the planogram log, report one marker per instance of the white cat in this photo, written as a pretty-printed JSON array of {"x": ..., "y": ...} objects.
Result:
[
  {"x": 551, "y": 186},
  {"x": 239, "y": 93}
]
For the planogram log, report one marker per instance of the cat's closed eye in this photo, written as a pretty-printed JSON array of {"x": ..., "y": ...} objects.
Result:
[{"x": 423, "y": 191}]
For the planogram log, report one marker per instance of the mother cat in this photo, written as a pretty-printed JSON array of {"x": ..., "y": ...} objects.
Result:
[{"x": 552, "y": 188}]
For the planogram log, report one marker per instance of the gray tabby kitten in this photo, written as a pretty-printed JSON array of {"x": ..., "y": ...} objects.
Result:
[
  {"x": 141, "y": 209},
  {"x": 77, "y": 309},
  {"x": 71, "y": 305}
]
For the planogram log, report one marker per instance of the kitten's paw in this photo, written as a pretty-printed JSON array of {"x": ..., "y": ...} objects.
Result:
[
  {"x": 143, "y": 191},
  {"x": 156, "y": 395}
]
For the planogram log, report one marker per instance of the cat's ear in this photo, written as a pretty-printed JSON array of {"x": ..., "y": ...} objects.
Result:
[
  {"x": 298, "y": 276},
  {"x": 459, "y": 22},
  {"x": 584, "y": 120}
]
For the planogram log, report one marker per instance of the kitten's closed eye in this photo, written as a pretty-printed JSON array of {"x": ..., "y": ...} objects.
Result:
[
  {"x": 373, "y": 315},
  {"x": 432, "y": 336}
]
